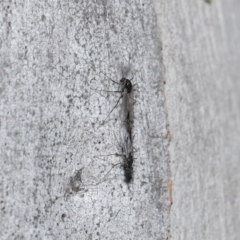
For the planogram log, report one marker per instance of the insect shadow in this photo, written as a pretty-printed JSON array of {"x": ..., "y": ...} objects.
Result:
[{"x": 77, "y": 183}]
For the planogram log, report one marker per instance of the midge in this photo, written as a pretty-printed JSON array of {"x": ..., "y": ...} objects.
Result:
[
  {"x": 125, "y": 144},
  {"x": 124, "y": 83},
  {"x": 127, "y": 152},
  {"x": 126, "y": 165},
  {"x": 126, "y": 89}
]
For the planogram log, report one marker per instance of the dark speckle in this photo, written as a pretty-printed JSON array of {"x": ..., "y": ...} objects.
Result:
[
  {"x": 63, "y": 217},
  {"x": 43, "y": 17}
]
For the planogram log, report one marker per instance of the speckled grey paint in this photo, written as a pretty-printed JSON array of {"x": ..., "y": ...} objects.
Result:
[{"x": 51, "y": 108}]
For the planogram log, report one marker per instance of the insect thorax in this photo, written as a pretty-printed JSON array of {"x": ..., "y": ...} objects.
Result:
[{"x": 126, "y": 84}]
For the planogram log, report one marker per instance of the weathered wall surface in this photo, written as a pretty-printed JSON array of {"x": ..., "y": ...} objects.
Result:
[
  {"x": 55, "y": 58},
  {"x": 201, "y": 57}
]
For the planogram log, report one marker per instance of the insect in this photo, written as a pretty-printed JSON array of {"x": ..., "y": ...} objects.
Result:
[
  {"x": 126, "y": 130},
  {"x": 125, "y": 84},
  {"x": 126, "y": 89},
  {"x": 126, "y": 122},
  {"x": 127, "y": 155},
  {"x": 126, "y": 115}
]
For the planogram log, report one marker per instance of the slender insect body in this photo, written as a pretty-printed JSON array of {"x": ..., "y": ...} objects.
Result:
[
  {"x": 126, "y": 147},
  {"x": 128, "y": 172},
  {"x": 125, "y": 141},
  {"x": 126, "y": 109},
  {"x": 126, "y": 129}
]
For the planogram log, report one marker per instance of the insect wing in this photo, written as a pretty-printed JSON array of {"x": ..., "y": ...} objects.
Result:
[
  {"x": 125, "y": 141},
  {"x": 126, "y": 106}
]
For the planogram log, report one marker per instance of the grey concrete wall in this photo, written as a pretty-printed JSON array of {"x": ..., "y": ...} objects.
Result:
[
  {"x": 201, "y": 57},
  {"x": 56, "y": 57}
]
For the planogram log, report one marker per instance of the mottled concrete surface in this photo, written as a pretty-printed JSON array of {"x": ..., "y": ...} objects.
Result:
[
  {"x": 55, "y": 57},
  {"x": 201, "y": 57}
]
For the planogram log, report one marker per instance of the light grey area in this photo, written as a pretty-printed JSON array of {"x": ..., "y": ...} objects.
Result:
[
  {"x": 56, "y": 56},
  {"x": 54, "y": 59},
  {"x": 201, "y": 57}
]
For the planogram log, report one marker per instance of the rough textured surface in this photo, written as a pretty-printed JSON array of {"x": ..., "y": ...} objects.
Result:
[
  {"x": 201, "y": 57},
  {"x": 55, "y": 56}
]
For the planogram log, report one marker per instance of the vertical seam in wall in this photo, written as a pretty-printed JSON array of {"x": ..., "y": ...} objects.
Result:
[
  {"x": 168, "y": 136},
  {"x": 168, "y": 133}
]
